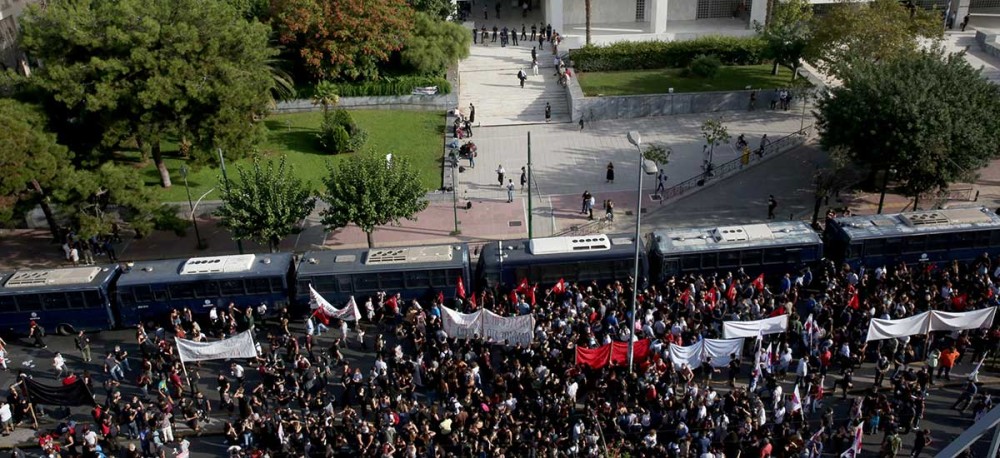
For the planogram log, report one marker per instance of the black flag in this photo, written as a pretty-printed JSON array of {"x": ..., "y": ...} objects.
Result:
[{"x": 74, "y": 394}]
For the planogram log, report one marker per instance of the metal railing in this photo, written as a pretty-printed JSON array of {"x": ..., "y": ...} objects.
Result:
[{"x": 728, "y": 168}]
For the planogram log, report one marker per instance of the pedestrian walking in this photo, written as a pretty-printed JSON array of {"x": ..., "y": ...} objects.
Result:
[
  {"x": 472, "y": 114},
  {"x": 83, "y": 344},
  {"x": 534, "y": 66},
  {"x": 609, "y": 210},
  {"x": 513, "y": 36},
  {"x": 586, "y": 201},
  {"x": 533, "y": 30},
  {"x": 609, "y": 176},
  {"x": 771, "y": 205},
  {"x": 661, "y": 181},
  {"x": 37, "y": 333},
  {"x": 534, "y": 52},
  {"x": 590, "y": 208},
  {"x": 922, "y": 439},
  {"x": 581, "y": 124},
  {"x": 524, "y": 177},
  {"x": 524, "y": 34},
  {"x": 548, "y": 112},
  {"x": 521, "y": 76},
  {"x": 59, "y": 364},
  {"x": 753, "y": 100},
  {"x": 965, "y": 22},
  {"x": 541, "y": 42},
  {"x": 495, "y": 30},
  {"x": 500, "y": 173},
  {"x": 947, "y": 362},
  {"x": 475, "y": 36},
  {"x": 510, "y": 191}
]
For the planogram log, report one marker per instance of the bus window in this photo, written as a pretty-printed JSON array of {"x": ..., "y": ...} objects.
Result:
[
  {"x": 55, "y": 301},
  {"x": 142, "y": 293},
  {"x": 439, "y": 278},
  {"x": 995, "y": 238},
  {"x": 875, "y": 247},
  {"x": 7, "y": 304},
  {"x": 418, "y": 279},
  {"x": 915, "y": 244},
  {"x": 856, "y": 250},
  {"x": 391, "y": 280},
  {"x": 345, "y": 285},
  {"x": 277, "y": 284},
  {"x": 182, "y": 291},
  {"x": 964, "y": 240},
  {"x": 232, "y": 287},
  {"x": 691, "y": 262},
  {"x": 160, "y": 295},
  {"x": 982, "y": 239},
  {"x": 793, "y": 256},
  {"x": 710, "y": 260},
  {"x": 325, "y": 284},
  {"x": 206, "y": 289},
  {"x": 76, "y": 300},
  {"x": 451, "y": 277},
  {"x": 29, "y": 302},
  {"x": 729, "y": 259},
  {"x": 751, "y": 258},
  {"x": 257, "y": 285},
  {"x": 938, "y": 242},
  {"x": 893, "y": 246},
  {"x": 774, "y": 256},
  {"x": 93, "y": 299},
  {"x": 366, "y": 282}
]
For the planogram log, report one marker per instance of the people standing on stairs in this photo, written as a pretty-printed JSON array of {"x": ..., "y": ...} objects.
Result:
[
  {"x": 485, "y": 35},
  {"x": 548, "y": 32},
  {"x": 534, "y": 66},
  {"x": 541, "y": 41},
  {"x": 533, "y": 31},
  {"x": 524, "y": 35},
  {"x": 513, "y": 35},
  {"x": 534, "y": 52},
  {"x": 495, "y": 30},
  {"x": 503, "y": 37},
  {"x": 548, "y": 112},
  {"x": 521, "y": 75}
]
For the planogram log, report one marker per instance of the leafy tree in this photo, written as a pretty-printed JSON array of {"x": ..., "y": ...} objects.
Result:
[
  {"x": 32, "y": 162},
  {"x": 371, "y": 191},
  {"x": 147, "y": 70},
  {"x": 251, "y": 9},
  {"x": 265, "y": 203},
  {"x": 874, "y": 31},
  {"x": 932, "y": 117},
  {"x": 657, "y": 154},
  {"x": 342, "y": 38},
  {"x": 715, "y": 133},
  {"x": 787, "y": 33},
  {"x": 435, "y": 45},
  {"x": 101, "y": 197},
  {"x": 325, "y": 94},
  {"x": 438, "y": 9}
]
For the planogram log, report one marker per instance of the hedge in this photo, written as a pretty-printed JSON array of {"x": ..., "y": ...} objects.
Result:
[
  {"x": 389, "y": 86},
  {"x": 648, "y": 55}
]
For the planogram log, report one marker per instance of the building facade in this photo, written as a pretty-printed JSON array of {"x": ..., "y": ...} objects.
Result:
[{"x": 11, "y": 56}]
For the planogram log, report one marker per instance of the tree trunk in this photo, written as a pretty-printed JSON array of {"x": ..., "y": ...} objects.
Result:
[
  {"x": 774, "y": 69},
  {"x": 160, "y": 165},
  {"x": 43, "y": 201},
  {"x": 371, "y": 241},
  {"x": 816, "y": 206},
  {"x": 916, "y": 202},
  {"x": 587, "y": 9},
  {"x": 274, "y": 243}
]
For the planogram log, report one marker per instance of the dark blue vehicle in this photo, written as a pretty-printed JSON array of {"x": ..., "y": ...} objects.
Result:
[
  {"x": 778, "y": 247},
  {"x": 417, "y": 272},
  {"x": 584, "y": 258},
  {"x": 148, "y": 290},
  {"x": 930, "y": 236},
  {"x": 60, "y": 300}
]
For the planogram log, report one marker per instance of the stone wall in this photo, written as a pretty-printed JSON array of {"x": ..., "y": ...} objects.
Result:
[
  {"x": 640, "y": 106},
  {"x": 441, "y": 102},
  {"x": 988, "y": 42}
]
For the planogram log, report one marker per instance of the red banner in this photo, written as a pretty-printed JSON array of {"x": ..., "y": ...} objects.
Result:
[
  {"x": 595, "y": 358},
  {"x": 619, "y": 352}
]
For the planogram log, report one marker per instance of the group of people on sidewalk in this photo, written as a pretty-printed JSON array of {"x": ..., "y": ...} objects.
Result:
[{"x": 420, "y": 392}]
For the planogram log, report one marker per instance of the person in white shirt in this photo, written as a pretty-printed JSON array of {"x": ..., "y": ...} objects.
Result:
[
  {"x": 6, "y": 417},
  {"x": 59, "y": 363},
  {"x": 571, "y": 389}
]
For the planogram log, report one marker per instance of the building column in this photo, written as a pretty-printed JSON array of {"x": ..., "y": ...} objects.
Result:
[
  {"x": 961, "y": 8},
  {"x": 658, "y": 16},
  {"x": 758, "y": 12},
  {"x": 554, "y": 15}
]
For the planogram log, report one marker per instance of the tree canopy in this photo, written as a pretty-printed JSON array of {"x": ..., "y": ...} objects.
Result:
[
  {"x": 345, "y": 39},
  {"x": 145, "y": 70},
  {"x": 369, "y": 190},
  {"x": 435, "y": 45},
  {"x": 438, "y": 9},
  {"x": 929, "y": 116},
  {"x": 265, "y": 203},
  {"x": 872, "y": 31},
  {"x": 788, "y": 33}
]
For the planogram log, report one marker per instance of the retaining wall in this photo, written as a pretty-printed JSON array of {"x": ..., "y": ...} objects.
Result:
[
  {"x": 440, "y": 102},
  {"x": 988, "y": 42}
]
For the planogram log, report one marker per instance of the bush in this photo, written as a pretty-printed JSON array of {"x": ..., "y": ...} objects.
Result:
[
  {"x": 645, "y": 55},
  {"x": 340, "y": 134},
  {"x": 165, "y": 219},
  {"x": 705, "y": 66}
]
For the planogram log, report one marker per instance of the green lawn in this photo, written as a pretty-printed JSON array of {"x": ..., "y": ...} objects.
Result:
[
  {"x": 657, "y": 81},
  {"x": 414, "y": 134}
]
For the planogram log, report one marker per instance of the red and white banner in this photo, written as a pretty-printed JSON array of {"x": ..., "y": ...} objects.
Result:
[
  {"x": 324, "y": 310},
  {"x": 737, "y": 329}
]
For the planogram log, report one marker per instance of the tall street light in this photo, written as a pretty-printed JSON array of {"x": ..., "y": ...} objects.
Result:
[
  {"x": 648, "y": 167},
  {"x": 194, "y": 221}
]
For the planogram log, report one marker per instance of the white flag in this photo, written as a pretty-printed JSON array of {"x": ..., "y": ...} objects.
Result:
[
  {"x": 796, "y": 399},
  {"x": 324, "y": 310},
  {"x": 239, "y": 346}
]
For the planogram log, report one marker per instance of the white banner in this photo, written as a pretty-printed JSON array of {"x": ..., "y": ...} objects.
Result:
[
  {"x": 512, "y": 330},
  {"x": 880, "y": 329},
  {"x": 690, "y": 355},
  {"x": 950, "y": 321},
  {"x": 461, "y": 325},
  {"x": 323, "y": 306},
  {"x": 721, "y": 350},
  {"x": 239, "y": 346},
  {"x": 737, "y": 329}
]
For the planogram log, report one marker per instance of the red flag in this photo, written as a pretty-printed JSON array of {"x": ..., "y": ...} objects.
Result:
[
  {"x": 731, "y": 292},
  {"x": 513, "y": 297},
  {"x": 989, "y": 292},
  {"x": 959, "y": 301},
  {"x": 854, "y": 302},
  {"x": 531, "y": 294},
  {"x": 759, "y": 282},
  {"x": 318, "y": 313},
  {"x": 560, "y": 287},
  {"x": 472, "y": 301},
  {"x": 460, "y": 288},
  {"x": 595, "y": 358},
  {"x": 712, "y": 296},
  {"x": 441, "y": 297},
  {"x": 619, "y": 352}
]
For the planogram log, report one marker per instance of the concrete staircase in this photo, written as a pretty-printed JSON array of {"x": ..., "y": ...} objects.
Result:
[{"x": 489, "y": 80}]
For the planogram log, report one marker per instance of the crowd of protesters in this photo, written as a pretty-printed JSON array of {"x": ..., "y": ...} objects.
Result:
[{"x": 428, "y": 394}]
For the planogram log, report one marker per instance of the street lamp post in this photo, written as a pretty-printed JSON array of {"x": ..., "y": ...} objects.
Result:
[
  {"x": 635, "y": 139},
  {"x": 194, "y": 221},
  {"x": 889, "y": 172}
]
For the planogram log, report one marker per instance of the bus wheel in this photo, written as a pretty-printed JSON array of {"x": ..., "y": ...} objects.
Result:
[{"x": 65, "y": 330}]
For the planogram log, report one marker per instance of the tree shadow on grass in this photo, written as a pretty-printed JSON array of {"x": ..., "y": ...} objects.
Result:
[{"x": 293, "y": 138}]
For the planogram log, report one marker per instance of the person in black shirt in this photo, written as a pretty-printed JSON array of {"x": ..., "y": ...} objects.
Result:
[{"x": 734, "y": 369}]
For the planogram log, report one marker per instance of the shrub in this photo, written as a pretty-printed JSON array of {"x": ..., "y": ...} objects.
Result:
[
  {"x": 643, "y": 55},
  {"x": 340, "y": 134},
  {"x": 705, "y": 66}
]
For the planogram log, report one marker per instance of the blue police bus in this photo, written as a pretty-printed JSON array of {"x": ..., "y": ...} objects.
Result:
[
  {"x": 418, "y": 272},
  {"x": 575, "y": 259},
  {"x": 930, "y": 236},
  {"x": 148, "y": 290},
  {"x": 60, "y": 300},
  {"x": 777, "y": 247}
]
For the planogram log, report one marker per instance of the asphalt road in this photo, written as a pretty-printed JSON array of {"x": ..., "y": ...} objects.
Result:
[{"x": 945, "y": 424}]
